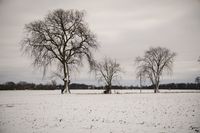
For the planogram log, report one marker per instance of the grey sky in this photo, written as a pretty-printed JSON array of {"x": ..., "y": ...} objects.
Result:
[{"x": 125, "y": 29}]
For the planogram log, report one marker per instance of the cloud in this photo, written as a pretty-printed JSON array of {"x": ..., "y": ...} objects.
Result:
[{"x": 124, "y": 28}]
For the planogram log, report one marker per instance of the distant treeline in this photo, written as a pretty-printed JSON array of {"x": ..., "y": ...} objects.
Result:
[
  {"x": 177, "y": 86},
  {"x": 52, "y": 86}
]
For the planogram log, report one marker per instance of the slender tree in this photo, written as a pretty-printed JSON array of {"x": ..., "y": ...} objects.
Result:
[
  {"x": 141, "y": 77},
  {"x": 154, "y": 63},
  {"x": 197, "y": 80},
  {"x": 107, "y": 71},
  {"x": 62, "y": 38}
]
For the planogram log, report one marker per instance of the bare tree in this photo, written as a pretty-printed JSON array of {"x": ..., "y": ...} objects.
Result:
[
  {"x": 141, "y": 77},
  {"x": 107, "y": 71},
  {"x": 62, "y": 38},
  {"x": 197, "y": 80},
  {"x": 154, "y": 63}
]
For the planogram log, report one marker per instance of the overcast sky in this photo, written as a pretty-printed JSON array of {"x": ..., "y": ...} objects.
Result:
[{"x": 124, "y": 28}]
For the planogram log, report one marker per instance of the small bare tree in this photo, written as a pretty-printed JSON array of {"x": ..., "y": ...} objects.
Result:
[
  {"x": 197, "y": 80},
  {"x": 141, "y": 77},
  {"x": 107, "y": 71},
  {"x": 62, "y": 38},
  {"x": 154, "y": 63}
]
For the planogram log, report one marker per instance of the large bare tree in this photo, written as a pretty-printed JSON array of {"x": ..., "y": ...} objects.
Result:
[
  {"x": 107, "y": 70},
  {"x": 62, "y": 38},
  {"x": 152, "y": 65}
]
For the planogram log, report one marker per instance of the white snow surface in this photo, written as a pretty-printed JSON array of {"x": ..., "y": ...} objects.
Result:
[{"x": 89, "y": 111}]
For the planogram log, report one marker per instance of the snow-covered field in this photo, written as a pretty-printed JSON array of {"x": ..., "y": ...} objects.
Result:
[{"x": 81, "y": 112}]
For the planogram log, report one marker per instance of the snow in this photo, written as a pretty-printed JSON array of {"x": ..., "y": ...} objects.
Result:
[{"x": 89, "y": 111}]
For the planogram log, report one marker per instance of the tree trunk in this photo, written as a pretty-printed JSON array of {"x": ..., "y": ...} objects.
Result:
[
  {"x": 108, "y": 90},
  {"x": 156, "y": 89},
  {"x": 66, "y": 80},
  {"x": 66, "y": 87},
  {"x": 140, "y": 83}
]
